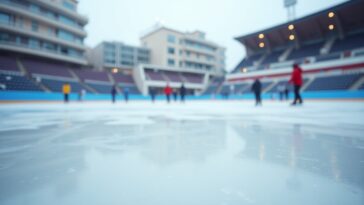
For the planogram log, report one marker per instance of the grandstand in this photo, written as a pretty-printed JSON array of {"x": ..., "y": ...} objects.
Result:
[{"x": 328, "y": 44}]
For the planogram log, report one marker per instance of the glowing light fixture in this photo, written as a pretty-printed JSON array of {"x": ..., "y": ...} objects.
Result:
[
  {"x": 291, "y": 27},
  {"x": 331, "y": 14},
  {"x": 331, "y": 27},
  {"x": 261, "y": 45},
  {"x": 291, "y": 37},
  {"x": 115, "y": 70},
  {"x": 261, "y": 36}
]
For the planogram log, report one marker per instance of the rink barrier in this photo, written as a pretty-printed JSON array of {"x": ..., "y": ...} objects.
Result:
[{"x": 42, "y": 96}]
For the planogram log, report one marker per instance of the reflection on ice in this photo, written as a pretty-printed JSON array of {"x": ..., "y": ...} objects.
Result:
[{"x": 197, "y": 153}]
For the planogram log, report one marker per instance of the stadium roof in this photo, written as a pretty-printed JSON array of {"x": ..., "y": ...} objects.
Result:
[{"x": 343, "y": 18}]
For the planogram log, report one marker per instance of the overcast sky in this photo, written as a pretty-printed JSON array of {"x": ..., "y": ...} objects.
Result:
[{"x": 222, "y": 20}]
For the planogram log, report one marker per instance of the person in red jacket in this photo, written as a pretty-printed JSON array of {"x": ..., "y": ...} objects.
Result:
[
  {"x": 168, "y": 91},
  {"x": 296, "y": 80}
]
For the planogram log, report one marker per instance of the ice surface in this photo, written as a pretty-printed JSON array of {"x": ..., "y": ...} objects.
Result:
[{"x": 201, "y": 152}]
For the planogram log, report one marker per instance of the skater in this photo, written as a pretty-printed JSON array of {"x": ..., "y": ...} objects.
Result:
[
  {"x": 281, "y": 88},
  {"x": 113, "y": 93},
  {"x": 168, "y": 92},
  {"x": 296, "y": 80},
  {"x": 66, "y": 91},
  {"x": 153, "y": 94},
  {"x": 81, "y": 95},
  {"x": 126, "y": 94},
  {"x": 175, "y": 95},
  {"x": 182, "y": 92},
  {"x": 286, "y": 92},
  {"x": 257, "y": 89}
]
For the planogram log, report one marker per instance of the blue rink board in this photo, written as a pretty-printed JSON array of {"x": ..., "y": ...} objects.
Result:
[{"x": 26, "y": 96}]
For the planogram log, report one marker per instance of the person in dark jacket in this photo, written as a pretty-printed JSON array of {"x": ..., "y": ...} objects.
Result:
[
  {"x": 113, "y": 93},
  {"x": 175, "y": 95},
  {"x": 286, "y": 92},
  {"x": 296, "y": 80},
  {"x": 257, "y": 89},
  {"x": 126, "y": 94},
  {"x": 153, "y": 94},
  {"x": 183, "y": 91}
]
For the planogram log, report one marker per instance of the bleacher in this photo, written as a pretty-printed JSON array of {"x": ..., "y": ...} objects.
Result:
[
  {"x": 280, "y": 83},
  {"x": 361, "y": 87},
  {"x": 17, "y": 82},
  {"x": 272, "y": 57},
  {"x": 132, "y": 88},
  {"x": 45, "y": 68},
  {"x": 173, "y": 76},
  {"x": 122, "y": 78},
  {"x": 89, "y": 75},
  {"x": 350, "y": 42},
  {"x": 193, "y": 78},
  {"x": 153, "y": 75},
  {"x": 305, "y": 51},
  {"x": 338, "y": 82},
  {"x": 214, "y": 86},
  {"x": 56, "y": 85},
  {"x": 8, "y": 64}
]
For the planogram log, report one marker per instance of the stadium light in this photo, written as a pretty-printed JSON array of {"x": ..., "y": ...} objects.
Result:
[
  {"x": 291, "y": 37},
  {"x": 291, "y": 27},
  {"x": 115, "y": 70},
  {"x": 261, "y": 36},
  {"x": 331, "y": 27},
  {"x": 261, "y": 44},
  {"x": 331, "y": 14}
]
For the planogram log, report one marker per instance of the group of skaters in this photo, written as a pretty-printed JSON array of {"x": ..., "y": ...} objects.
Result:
[
  {"x": 169, "y": 92},
  {"x": 296, "y": 81},
  {"x": 114, "y": 92}
]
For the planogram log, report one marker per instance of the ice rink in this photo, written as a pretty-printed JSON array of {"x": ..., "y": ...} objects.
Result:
[{"x": 198, "y": 153}]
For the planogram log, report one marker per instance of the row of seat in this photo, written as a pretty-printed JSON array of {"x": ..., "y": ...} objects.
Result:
[
  {"x": 321, "y": 83},
  {"x": 350, "y": 42}
]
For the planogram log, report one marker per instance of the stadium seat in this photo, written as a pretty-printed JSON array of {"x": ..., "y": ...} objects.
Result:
[
  {"x": 19, "y": 83},
  {"x": 350, "y": 42},
  {"x": 56, "y": 85},
  {"x": 8, "y": 64},
  {"x": 338, "y": 82}
]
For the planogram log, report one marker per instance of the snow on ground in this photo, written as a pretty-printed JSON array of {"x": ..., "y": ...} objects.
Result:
[{"x": 201, "y": 152}]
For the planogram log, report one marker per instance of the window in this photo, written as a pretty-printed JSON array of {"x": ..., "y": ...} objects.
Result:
[
  {"x": 171, "y": 38},
  {"x": 127, "y": 49},
  {"x": 69, "y": 5},
  {"x": 20, "y": 22},
  {"x": 67, "y": 21},
  {"x": 170, "y": 62},
  {"x": 65, "y": 35},
  {"x": 170, "y": 50},
  {"x": 74, "y": 53},
  {"x": 33, "y": 43},
  {"x": 4, "y": 37},
  {"x": 50, "y": 31},
  {"x": 34, "y": 8},
  {"x": 4, "y": 18},
  {"x": 35, "y": 26},
  {"x": 49, "y": 46}
]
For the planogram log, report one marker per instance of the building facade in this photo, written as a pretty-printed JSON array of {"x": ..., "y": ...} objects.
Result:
[
  {"x": 110, "y": 55},
  {"x": 184, "y": 50},
  {"x": 46, "y": 28}
]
